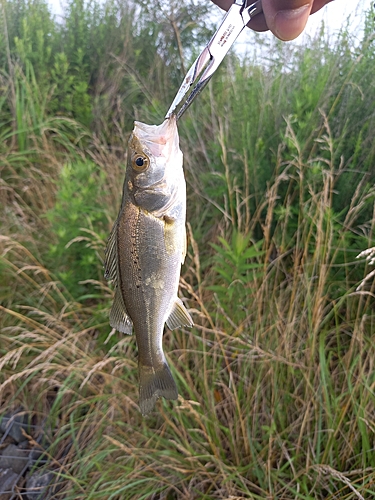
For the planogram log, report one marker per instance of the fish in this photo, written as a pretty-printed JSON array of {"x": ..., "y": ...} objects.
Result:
[{"x": 145, "y": 252}]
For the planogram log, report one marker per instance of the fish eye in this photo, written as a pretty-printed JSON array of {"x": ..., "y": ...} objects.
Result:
[{"x": 140, "y": 162}]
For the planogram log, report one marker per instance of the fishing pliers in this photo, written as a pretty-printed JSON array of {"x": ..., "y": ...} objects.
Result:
[{"x": 235, "y": 20}]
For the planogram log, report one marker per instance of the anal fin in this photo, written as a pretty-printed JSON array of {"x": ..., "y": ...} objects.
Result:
[
  {"x": 118, "y": 317},
  {"x": 179, "y": 316}
]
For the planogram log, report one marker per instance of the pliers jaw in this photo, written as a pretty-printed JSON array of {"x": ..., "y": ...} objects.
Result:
[
  {"x": 205, "y": 58},
  {"x": 212, "y": 55}
]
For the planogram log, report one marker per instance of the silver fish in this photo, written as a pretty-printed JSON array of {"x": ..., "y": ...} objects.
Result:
[{"x": 145, "y": 251}]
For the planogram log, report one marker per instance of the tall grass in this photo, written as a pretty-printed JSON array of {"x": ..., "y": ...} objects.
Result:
[{"x": 276, "y": 379}]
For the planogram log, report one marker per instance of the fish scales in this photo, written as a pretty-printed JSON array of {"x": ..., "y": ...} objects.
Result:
[
  {"x": 148, "y": 275},
  {"x": 145, "y": 251}
]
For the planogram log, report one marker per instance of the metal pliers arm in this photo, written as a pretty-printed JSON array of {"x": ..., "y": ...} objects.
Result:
[{"x": 235, "y": 20}]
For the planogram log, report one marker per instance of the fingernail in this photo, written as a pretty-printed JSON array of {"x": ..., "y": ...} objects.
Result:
[{"x": 290, "y": 23}]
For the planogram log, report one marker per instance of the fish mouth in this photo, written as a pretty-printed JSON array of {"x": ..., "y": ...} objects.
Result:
[{"x": 159, "y": 140}]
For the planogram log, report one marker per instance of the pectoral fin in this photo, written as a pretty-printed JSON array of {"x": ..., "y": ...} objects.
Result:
[
  {"x": 179, "y": 316},
  {"x": 118, "y": 317}
]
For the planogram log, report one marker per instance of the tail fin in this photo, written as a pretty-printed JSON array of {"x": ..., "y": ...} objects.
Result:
[{"x": 153, "y": 383}]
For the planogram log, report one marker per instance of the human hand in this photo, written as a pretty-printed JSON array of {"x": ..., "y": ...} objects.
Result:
[{"x": 286, "y": 19}]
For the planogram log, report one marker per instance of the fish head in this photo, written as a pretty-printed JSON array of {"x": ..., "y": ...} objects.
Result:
[{"x": 155, "y": 178}]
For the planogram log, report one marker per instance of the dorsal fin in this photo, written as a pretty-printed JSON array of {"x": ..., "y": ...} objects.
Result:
[
  {"x": 118, "y": 317},
  {"x": 110, "y": 263}
]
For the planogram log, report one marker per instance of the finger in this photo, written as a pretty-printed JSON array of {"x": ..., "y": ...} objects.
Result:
[
  {"x": 259, "y": 22},
  {"x": 287, "y": 18}
]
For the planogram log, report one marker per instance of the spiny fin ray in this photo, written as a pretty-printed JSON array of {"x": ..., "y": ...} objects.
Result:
[{"x": 110, "y": 264}]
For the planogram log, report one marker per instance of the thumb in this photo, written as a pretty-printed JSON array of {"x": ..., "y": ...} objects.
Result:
[{"x": 287, "y": 18}]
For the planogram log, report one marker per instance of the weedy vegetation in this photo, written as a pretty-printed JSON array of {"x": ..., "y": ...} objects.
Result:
[{"x": 277, "y": 377}]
